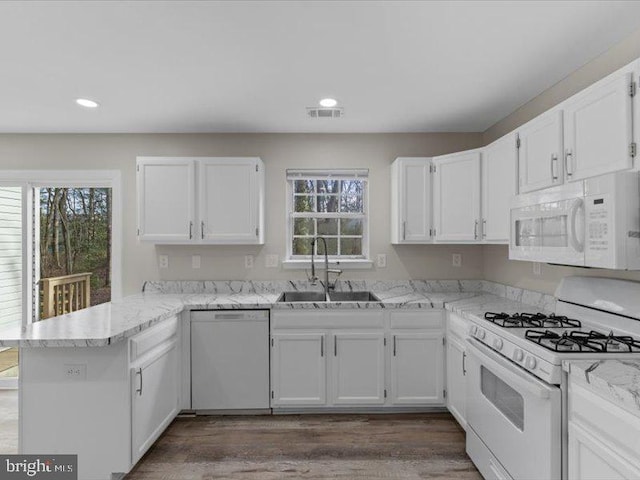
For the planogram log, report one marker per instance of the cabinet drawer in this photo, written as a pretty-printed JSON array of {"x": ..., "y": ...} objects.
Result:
[
  {"x": 328, "y": 318},
  {"x": 431, "y": 319},
  {"x": 613, "y": 425},
  {"x": 146, "y": 341}
]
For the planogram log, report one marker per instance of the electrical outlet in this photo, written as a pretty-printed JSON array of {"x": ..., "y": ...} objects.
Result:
[
  {"x": 271, "y": 260},
  {"x": 196, "y": 261},
  {"x": 248, "y": 261},
  {"x": 75, "y": 371},
  {"x": 381, "y": 260},
  {"x": 163, "y": 261},
  {"x": 536, "y": 268},
  {"x": 456, "y": 259}
]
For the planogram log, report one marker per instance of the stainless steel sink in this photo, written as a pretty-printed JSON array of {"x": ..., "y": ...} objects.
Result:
[
  {"x": 302, "y": 297},
  {"x": 318, "y": 297},
  {"x": 353, "y": 297}
]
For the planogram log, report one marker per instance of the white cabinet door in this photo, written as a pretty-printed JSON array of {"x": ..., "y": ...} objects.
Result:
[
  {"x": 456, "y": 381},
  {"x": 298, "y": 369},
  {"x": 358, "y": 368},
  {"x": 411, "y": 200},
  {"x": 590, "y": 459},
  {"x": 540, "y": 152},
  {"x": 597, "y": 128},
  {"x": 166, "y": 194},
  {"x": 417, "y": 371},
  {"x": 155, "y": 398},
  {"x": 456, "y": 200},
  {"x": 230, "y": 200},
  {"x": 499, "y": 185}
]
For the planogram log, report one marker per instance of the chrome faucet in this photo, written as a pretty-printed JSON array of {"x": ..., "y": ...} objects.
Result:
[{"x": 327, "y": 270}]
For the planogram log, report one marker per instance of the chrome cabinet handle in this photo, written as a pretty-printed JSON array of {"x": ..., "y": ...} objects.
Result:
[
  {"x": 568, "y": 155},
  {"x": 464, "y": 366},
  {"x": 554, "y": 159},
  {"x": 394, "y": 345},
  {"x": 322, "y": 346},
  {"x": 484, "y": 228},
  {"x": 139, "y": 390},
  {"x": 202, "y": 230},
  {"x": 190, "y": 230},
  {"x": 475, "y": 230},
  {"x": 335, "y": 345},
  {"x": 404, "y": 230}
]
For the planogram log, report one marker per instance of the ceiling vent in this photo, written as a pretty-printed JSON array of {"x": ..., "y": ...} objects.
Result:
[{"x": 318, "y": 112}]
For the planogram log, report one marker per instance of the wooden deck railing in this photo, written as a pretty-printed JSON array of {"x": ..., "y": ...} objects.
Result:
[{"x": 65, "y": 294}]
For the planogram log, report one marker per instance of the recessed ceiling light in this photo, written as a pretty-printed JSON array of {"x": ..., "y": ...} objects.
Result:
[
  {"x": 85, "y": 102},
  {"x": 328, "y": 102}
]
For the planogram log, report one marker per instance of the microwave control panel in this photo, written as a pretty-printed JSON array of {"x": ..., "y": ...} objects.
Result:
[{"x": 599, "y": 219}]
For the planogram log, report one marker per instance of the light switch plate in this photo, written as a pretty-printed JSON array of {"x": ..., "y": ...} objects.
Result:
[
  {"x": 163, "y": 261},
  {"x": 271, "y": 260},
  {"x": 196, "y": 261},
  {"x": 77, "y": 371},
  {"x": 456, "y": 259},
  {"x": 381, "y": 260},
  {"x": 248, "y": 261}
]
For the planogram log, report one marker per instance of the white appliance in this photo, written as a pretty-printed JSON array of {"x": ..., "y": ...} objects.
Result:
[
  {"x": 230, "y": 360},
  {"x": 516, "y": 387},
  {"x": 591, "y": 223}
]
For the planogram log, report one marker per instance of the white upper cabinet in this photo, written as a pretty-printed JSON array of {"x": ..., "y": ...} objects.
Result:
[
  {"x": 598, "y": 127},
  {"x": 456, "y": 199},
  {"x": 165, "y": 199},
  {"x": 226, "y": 206},
  {"x": 540, "y": 152},
  {"x": 411, "y": 200},
  {"x": 229, "y": 200},
  {"x": 499, "y": 182}
]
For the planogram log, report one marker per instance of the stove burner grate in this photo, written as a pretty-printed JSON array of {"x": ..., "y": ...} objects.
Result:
[
  {"x": 531, "y": 320},
  {"x": 579, "y": 341}
]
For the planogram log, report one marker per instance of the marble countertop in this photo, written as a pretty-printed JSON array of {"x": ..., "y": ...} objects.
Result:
[
  {"x": 618, "y": 380},
  {"x": 112, "y": 322}
]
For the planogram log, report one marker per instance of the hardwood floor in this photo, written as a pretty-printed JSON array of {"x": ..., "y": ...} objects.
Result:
[{"x": 399, "y": 446}]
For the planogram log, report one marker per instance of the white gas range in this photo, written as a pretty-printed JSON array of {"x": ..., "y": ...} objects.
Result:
[{"x": 516, "y": 386}]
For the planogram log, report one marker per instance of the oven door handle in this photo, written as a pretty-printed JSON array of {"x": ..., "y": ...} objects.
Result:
[{"x": 507, "y": 370}]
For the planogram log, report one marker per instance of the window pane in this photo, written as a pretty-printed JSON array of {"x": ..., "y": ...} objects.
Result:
[
  {"x": 328, "y": 186},
  {"x": 351, "y": 204},
  {"x": 303, "y": 203},
  {"x": 301, "y": 246},
  {"x": 303, "y": 186},
  {"x": 351, "y": 226},
  {"x": 327, "y": 203},
  {"x": 303, "y": 226},
  {"x": 351, "y": 246},
  {"x": 327, "y": 226},
  {"x": 332, "y": 246}
]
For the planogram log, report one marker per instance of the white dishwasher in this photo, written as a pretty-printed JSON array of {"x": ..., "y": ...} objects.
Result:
[{"x": 229, "y": 359}]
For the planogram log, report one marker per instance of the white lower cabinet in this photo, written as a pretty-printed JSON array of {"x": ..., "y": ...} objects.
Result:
[
  {"x": 604, "y": 438},
  {"x": 417, "y": 368},
  {"x": 358, "y": 368},
  {"x": 298, "y": 369},
  {"x": 155, "y": 398},
  {"x": 346, "y": 358},
  {"x": 456, "y": 372}
]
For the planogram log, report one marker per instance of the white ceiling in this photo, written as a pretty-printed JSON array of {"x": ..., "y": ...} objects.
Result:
[{"x": 181, "y": 66}]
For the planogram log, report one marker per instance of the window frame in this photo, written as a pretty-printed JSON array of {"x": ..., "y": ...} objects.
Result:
[{"x": 356, "y": 261}]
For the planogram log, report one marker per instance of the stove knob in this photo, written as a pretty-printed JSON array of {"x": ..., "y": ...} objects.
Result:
[
  {"x": 480, "y": 334},
  {"x": 518, "y": 355},
  {"x": 531, "y": 363},
  {"x": 473, "y": 330},
  {"x": 497, "y": 344}
]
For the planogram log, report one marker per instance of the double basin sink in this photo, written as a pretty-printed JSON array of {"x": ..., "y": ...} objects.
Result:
[{"x": 320, "y": 297}]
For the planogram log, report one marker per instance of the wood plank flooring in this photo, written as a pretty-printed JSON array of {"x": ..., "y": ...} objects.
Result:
[{"x": 397, "y": 446}]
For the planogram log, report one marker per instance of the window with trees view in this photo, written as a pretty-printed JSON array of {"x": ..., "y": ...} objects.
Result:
[{"x": 330, "y": 204}]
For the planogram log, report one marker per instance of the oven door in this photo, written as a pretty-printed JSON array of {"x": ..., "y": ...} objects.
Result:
[{"x": 516, "y": 415}]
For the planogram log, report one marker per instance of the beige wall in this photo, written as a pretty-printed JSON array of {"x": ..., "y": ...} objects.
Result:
[
  {"x": 497, "y": 267},
  {"x": 279, "y": 152}
]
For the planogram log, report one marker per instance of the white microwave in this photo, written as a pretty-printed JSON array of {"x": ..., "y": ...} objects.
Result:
[{"x": 589, "y": 223}]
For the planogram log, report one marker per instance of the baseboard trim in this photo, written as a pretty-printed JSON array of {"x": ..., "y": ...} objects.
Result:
[{"x": 8, "y": 383}]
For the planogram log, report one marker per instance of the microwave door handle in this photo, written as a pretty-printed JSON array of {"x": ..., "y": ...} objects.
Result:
[
  {"x": 502, "y": 367},
  {"x": 575, "y": 242}
]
